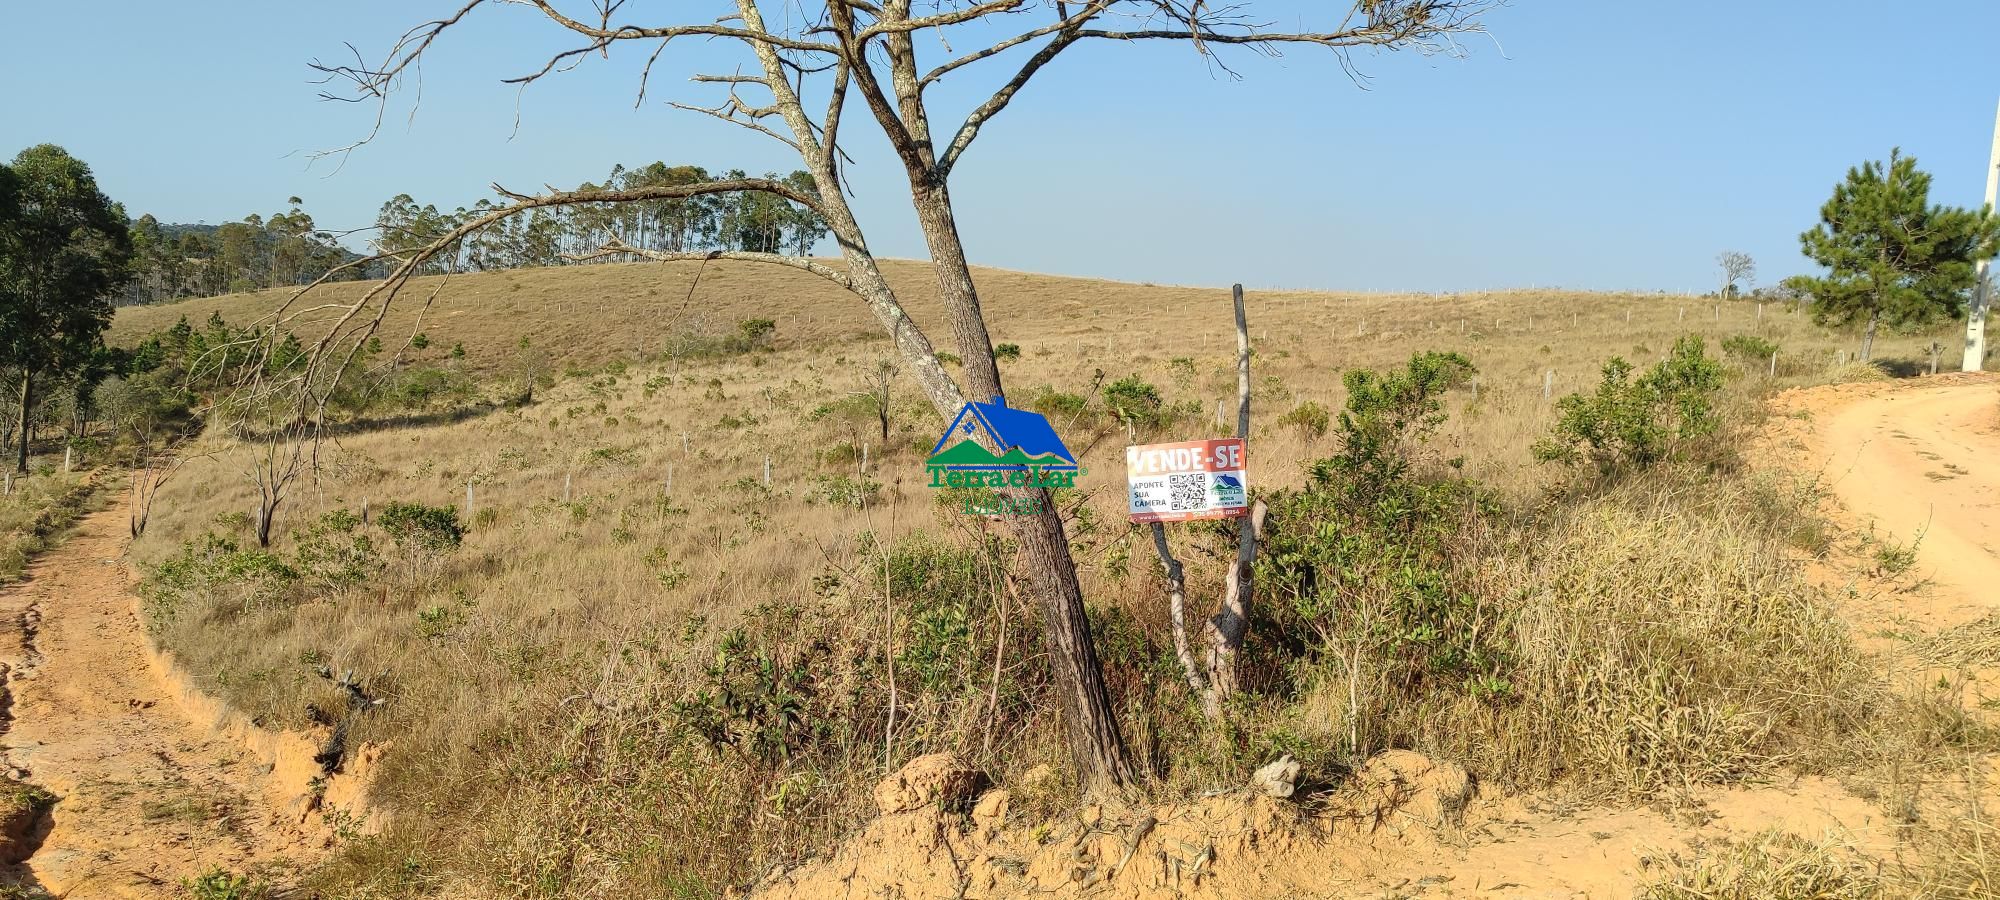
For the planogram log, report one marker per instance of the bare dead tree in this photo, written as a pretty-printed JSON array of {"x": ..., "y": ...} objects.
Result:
[
  {"x": 879, "y": 382},
  {"x": 1736, "y": 266},
  {"x": 1224, "y": 632},
  {"x": 803, "y": 66}
]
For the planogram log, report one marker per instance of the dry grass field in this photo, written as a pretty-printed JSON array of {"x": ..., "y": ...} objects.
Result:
[{"x": 620, "y": 528}]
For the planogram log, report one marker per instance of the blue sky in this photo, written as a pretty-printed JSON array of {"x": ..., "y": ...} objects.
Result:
[{"x": 1586, "y": 144}]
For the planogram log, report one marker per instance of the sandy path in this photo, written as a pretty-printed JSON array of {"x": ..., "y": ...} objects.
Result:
[
  {"x": 1925, "y": 463},
  {"x": 146, "y": 797}
]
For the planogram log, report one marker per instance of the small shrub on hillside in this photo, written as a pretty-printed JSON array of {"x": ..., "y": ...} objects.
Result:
[
  {"x": 948, "y": 358},
  {"x": 333, "y": 553},
  {"x": 425, "y": 387},
  {"x": 1372, "y": 552},
  {"x": 215, "y": 574},
  {"x": 415, "y": 526},
  {"x": 1058, "y": 407},
  {"x": 845, "y": 490},
  {"x": 757, "y": 333},
  {"x": 1389, "y": 416},
  {"x": 1134, "y": 402},
  {"x": 1310, "y": 418},
  {"x": 1632, "y": 423},
  {"x": 1748, "y": 347},
  {"x": 1007, "y": 351}
]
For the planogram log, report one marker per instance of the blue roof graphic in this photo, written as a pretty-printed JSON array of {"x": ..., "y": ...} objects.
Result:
[
  {"x": 1228, "y": 481},
  {"x": 1009, "y": 428}
]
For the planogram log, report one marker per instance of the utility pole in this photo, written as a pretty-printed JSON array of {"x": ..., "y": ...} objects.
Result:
[{"x": 1975, "y": 320}]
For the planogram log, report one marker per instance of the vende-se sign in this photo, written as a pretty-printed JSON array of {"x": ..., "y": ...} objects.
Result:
[{"x": 1188, "y": 480}]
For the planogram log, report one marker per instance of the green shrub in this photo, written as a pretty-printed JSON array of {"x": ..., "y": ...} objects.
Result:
[
  {"x": 1389, "y": 416},
  {"x": 219, "y": 884},
  {"x": 845, "y": 490},
  {"x": 1309, "y": 418},
  {"x": 415, "y": 526},
  {"x": 1632, "y": 423},
  {"x": 1748, "y": 347},
  {"x": 1370, "y": 553},
  {"x": 1007, "y": 351},
  {"x": 1134, "y": 402},
  {"x": 333, "y": 553},
  {"x": 215, "y": 573},
  {"x": 757, "y": 333},
  {"x": 423, "y": 387},
  {"x": 1058, "y": 406}
]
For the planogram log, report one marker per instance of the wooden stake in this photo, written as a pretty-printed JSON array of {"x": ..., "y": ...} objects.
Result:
[
  {"x": 67, "y": 455},
  {"x": 1774, "y": 364},
  {"x": 1548, "y": 383},
  {"x": 767, "y": 470},
  {"x": 565, "y": 489},
  {"x": 1982, "y": 292},
  {"x": 468, "y": 499}
]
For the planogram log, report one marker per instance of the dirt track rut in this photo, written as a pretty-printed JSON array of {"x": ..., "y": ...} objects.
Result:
[{"x": 146, "y": 797}]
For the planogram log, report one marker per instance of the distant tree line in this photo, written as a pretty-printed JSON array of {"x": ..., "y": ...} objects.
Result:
[
  {"x": 171, "y": 261},
  {"x": 552, "y": 236}
]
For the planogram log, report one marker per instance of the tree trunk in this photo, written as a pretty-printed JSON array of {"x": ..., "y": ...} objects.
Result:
[
  {"x": 1231, "y": 623},
  {"x": 1096, "y": 747},
  {"x": 1868, "y": 337},
  {"x": 27, "y": 395}
]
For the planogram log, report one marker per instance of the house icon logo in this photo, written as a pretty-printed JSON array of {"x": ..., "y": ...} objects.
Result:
[{"x": 1029, "y": 455}]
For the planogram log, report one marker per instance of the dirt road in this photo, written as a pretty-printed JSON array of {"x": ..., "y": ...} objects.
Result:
[
  {"x": 147, "y": 795},
  {"x": 1921, "y": 466}
]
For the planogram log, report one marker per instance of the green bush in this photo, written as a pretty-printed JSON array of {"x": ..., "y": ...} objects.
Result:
[
  {"x": 1007, "y": 351},
  {"x": 217, "y": 574},
  {"x": 1057, "y": 406},
  {"x": 1309, "y": 418},
  {"x": 415, "y": 526},
  {"x": 1632, "y": 423},
  {"x": 1134, "y": 402},
  {"x": 1389, "y": 415},
  {"x": 1748, "y": 347},
  {"x": 845, "y": 490},
  {"x": 757, "y": 333},
  {"x": 333, "y": 553},
  {"x": 1370, "y": 552}
]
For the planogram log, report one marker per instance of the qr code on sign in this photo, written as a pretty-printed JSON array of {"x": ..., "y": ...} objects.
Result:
[{"x": 1187, "y": 492}]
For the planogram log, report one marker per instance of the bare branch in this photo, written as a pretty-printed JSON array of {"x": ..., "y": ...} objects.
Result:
[
  {"x": 939, "y": 20},
  {"x": 1080, "y": 17}
]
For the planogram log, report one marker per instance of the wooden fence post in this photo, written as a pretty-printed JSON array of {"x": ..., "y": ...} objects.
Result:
[
  {"x": 1774, "y": 364},
  {"x": 1548, "y": 383},
  {"x": 468, "y": 499},
  {"x": 767, "y": 470},
  {"x": 468, "y": 503},
  {"x": 67, "y": 455}
]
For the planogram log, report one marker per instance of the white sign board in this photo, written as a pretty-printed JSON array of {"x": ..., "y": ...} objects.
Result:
[{"x": 1187, "y": 480}]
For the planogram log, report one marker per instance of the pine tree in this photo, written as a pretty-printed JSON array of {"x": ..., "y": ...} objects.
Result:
[{"x": 1891, "y": 256}]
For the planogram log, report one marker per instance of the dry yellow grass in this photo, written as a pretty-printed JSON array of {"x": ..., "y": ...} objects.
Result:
[{"x": 515, "y": 664}]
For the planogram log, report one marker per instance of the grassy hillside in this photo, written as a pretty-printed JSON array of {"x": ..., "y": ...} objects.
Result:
[{"x": 643, "y": 658}]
